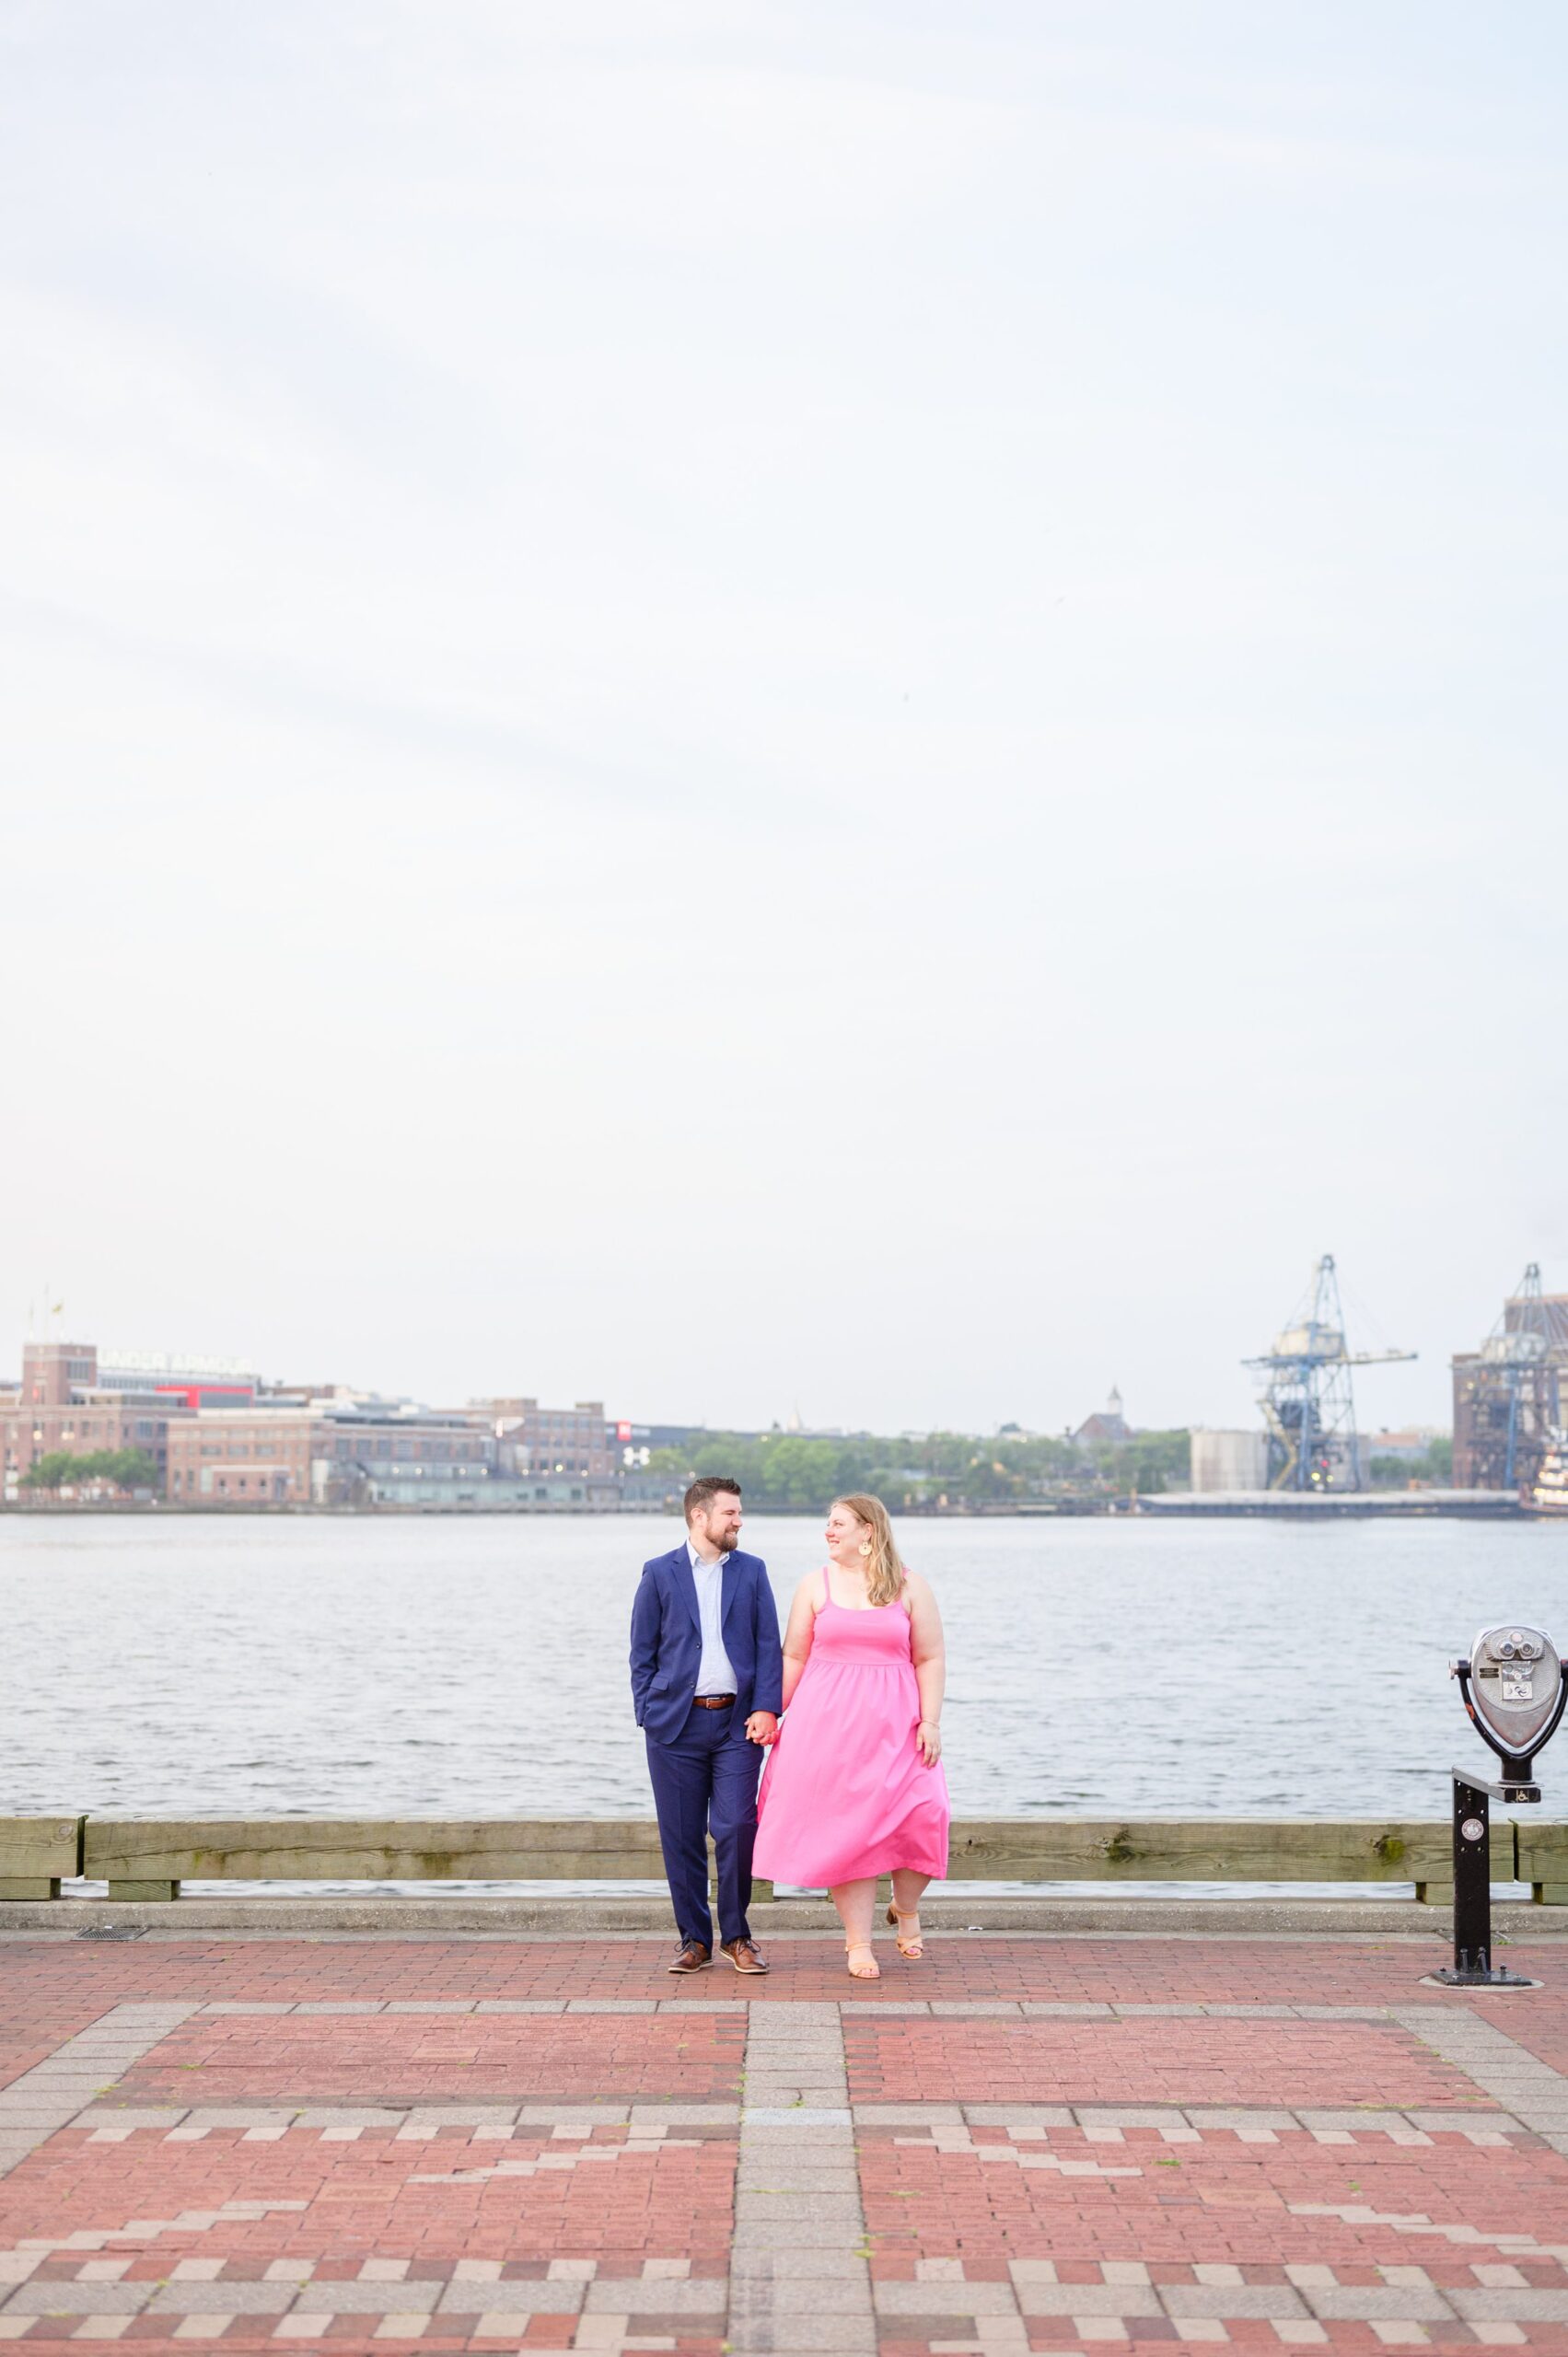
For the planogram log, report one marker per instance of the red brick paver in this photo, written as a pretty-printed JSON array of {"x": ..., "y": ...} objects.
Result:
[
  {"x": 1143, "y": 2062},
  {"x": 399, "y": 2058}
]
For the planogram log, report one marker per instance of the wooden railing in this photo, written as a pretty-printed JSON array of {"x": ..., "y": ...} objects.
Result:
[{"x": 148, "y": 1858}]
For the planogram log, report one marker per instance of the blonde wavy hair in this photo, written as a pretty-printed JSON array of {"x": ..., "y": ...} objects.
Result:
[{"x": 884, "y": 1572}]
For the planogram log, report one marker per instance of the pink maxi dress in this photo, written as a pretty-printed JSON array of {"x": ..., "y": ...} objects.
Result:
[{"x": 845, "y": 1792}]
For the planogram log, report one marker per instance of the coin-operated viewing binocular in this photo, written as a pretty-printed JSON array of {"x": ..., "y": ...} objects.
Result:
[{"x": 1514, "y": 1691}]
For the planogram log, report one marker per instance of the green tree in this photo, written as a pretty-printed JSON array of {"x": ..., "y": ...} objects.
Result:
[
  {"x": 51, "y": 1471},
  {"x": 128, "y": 1468},
  {"x": 1436, "y": 1465}
]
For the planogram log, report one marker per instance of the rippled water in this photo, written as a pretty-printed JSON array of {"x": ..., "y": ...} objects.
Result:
[{"x": 454, "y": 1667}]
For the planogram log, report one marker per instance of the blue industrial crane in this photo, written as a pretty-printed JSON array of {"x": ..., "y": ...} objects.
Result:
[{"x": 1308, "y": 1405}]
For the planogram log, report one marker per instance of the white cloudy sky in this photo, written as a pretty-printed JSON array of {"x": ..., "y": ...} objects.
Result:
[{"x": 730, "y": 705}]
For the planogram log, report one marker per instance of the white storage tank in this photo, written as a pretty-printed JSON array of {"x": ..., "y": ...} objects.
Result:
[{"x": 1232, "y": 1460}]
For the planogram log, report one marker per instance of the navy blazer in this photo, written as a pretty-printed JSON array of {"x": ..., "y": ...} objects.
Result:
[{"x": 666, "y": 1641}]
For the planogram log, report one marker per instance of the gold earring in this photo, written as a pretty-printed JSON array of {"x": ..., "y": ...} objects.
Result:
[{"x": 866, "y": 1546}]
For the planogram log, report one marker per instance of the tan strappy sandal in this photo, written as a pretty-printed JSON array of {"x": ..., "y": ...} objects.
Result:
[
  {"x": 912, "y": 1945},
  {"x": 870, "y": 1969}
]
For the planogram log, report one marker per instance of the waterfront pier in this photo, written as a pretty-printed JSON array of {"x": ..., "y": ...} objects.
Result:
[
  {"x": 382, "y": 2141},
  {"x": 340, "y": 2120}
]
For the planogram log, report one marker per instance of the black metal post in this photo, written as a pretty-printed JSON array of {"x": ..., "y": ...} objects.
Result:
[
  {"x": 1472, "y": 1967},
  {"x": 1473, "y": 1878}
]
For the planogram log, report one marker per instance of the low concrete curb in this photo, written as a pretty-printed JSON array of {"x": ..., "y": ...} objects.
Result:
[{"x": 566, "y": 1917}]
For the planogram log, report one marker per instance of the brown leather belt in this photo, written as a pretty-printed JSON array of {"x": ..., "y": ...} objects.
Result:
[{"x": 712, "y": 1701}]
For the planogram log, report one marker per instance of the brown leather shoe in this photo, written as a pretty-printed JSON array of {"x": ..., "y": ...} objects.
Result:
[
  {"x": 693, "y": 1956},
  {"x": 745, "y": 1955}
]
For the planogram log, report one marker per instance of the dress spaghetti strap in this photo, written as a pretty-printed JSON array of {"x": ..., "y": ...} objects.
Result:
[{"x": 827, "y": 1591}]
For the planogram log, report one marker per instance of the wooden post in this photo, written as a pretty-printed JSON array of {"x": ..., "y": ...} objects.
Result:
[{"x": 37, "y": 1853}]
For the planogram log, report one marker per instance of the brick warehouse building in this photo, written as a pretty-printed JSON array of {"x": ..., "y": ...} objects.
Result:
[
  {"x": 333, "y": 1450},
  {"x": 539, "y": 1443},
  {"x": 68, "y": 1400},
  {"x": 1512, "y": 1394},
  {"x": 220, "y": 1439}
]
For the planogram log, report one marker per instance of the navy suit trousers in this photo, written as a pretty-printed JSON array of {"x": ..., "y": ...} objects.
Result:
[{"x": 707, "y": 1779}]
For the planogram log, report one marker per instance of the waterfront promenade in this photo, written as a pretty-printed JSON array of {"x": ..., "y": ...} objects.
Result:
[{"x": 1027, "y": 2142}]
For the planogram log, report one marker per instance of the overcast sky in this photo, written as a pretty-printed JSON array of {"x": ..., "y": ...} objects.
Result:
[{"x": 854, "y": 706}]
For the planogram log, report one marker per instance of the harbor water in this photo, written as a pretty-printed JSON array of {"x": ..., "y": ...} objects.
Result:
[{"x": 437, "y": 1666}]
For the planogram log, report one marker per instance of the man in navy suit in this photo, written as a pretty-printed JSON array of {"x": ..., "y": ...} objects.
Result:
[{"x": 707, "y": 1681}]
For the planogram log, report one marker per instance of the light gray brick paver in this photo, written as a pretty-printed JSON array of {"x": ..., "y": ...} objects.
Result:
[
  {"x": 1231, "y": 2299},
  {"x": 1460, "y": 2122},
  {"x": 691, "y": 2295},
  {"x": 822, "y": 2295},
  {"x": 363, "y": 2299},
  {"x": 794, "y": 2261},
  {"x": 980, "y": 2009},
  {"x": 776, "y": 2235},
  {"x": 83, "y": 2067},
  {"x": 810, "y": 2209},
  {"x": 948, "y": 2298},
  {"x": 786, "y": 2095},
  {"x": 771, "y": 2172},
  {"x": 472, "y": 2297},
  {"x": 805, "y": 2118},
  {"x": 806, "y": 2334},
  {"x": 799, "y": 2282},
  {"x": 78, "y": 2299},
  {"x": 788, "y": 2144},
  {"x": 1362, "y": 2117},
  {"x": 223, "y": 2299},
  {"x": 685, "y": 2115},
  {"x": 1363, "y": 2302},
  {"x": 1502, "y": 2306},
  {"x": 703, "y": 2005},
  {"x": 1084, "y": 2299}
]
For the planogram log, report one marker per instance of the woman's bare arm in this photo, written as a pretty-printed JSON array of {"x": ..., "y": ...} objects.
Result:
[
  {"x": 929, "y": 1652},
  {"x": 797, "y": 1636}
]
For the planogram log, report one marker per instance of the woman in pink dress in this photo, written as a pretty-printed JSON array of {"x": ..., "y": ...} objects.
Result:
[{"x": 851, "y": 1789}]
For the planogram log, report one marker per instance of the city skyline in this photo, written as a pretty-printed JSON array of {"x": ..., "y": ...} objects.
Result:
[
  {"x": 851, "y": 707},
  {"x": 1373, "y": 1413}
]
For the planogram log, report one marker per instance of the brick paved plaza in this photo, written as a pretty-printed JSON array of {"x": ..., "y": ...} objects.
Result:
[{"x": 1026, "y": 2142}]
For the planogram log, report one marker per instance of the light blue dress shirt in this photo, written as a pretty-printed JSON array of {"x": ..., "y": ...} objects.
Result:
[{"x": 715, "y": 1674}]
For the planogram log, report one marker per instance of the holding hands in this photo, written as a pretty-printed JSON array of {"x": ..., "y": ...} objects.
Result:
[{"x": 763, "y": 1727}]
